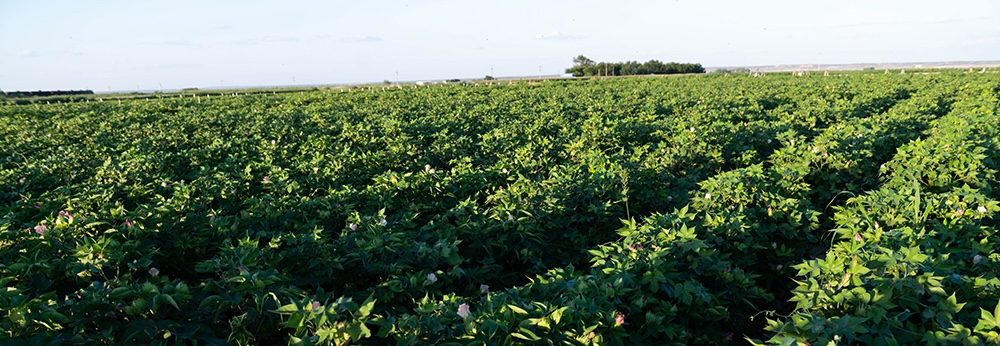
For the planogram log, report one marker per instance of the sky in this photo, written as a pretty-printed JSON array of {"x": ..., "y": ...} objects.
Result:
[{"x": 161, "y": 45}]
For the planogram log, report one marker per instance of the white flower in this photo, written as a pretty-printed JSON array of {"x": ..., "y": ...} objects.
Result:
[
  {"x": 432, "y": 278},
  {"x": 485, "y": 289},
  {"x": 154, "y": 272},
  {"x": 427, "y": 167},
  {"x": 163, "y": 184},
  {"x": 981, "y": 209},
  {"x": 504, "y": 171},
  {"x": 510, "y": 217},
  {"x": 692, "y": 129},
  {"x": 708, "y": 196},
  {"x": 431, "y": 171},
  {"x": 463, "y": 310},
  {"x": 876, "y": 224},
  {"x": 976, "y": 259},
  {"x": 383, "y": 223},
  {"x": 353, "y": 227}
]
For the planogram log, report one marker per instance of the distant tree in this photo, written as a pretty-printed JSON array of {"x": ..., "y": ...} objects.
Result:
[
  {"x": 655, "y": 67},
  {"x": 582, "y": 61},
  {"x": 488, "y": 77},
  {"x": 582, "y": 66},
  {"x": 632, "y": 68}
]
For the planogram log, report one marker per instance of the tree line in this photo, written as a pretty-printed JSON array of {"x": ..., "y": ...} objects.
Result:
[
  {"x": 46, "y": 93},
  {"x": 583, "y": 66}
]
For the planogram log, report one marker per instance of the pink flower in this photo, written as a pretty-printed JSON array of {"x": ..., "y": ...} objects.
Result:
[
  {"x": 65, "y": 214},
  {"x": 41, "y": 228},
  {"x": 154, "y": 272},
  {"x": 463, "y": 310},
  {"x": 128, "y": 223},
  {"x": 858, "y": 237},
  {"x": 876, "y": 224},
  {"x": 620, "y": 319},
  {"x": 315, "y": 306},
  {"x": 163, "y": 184}
]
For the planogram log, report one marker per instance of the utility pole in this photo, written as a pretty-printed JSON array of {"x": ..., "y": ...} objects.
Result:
[{"x": 397, "y": 76}]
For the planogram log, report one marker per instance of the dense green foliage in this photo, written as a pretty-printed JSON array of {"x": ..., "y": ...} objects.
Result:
[
  {"x": 705, "y": 209},
  {"x": 582, "y": 66},
  {"x": 46, "y": 93}
]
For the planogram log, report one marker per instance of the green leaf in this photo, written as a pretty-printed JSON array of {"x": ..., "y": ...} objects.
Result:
[
  {"x": 366, "y": 307},
  {"x": 517, "y": 310},
  {"x": 209, "y": 301},
  {"x": 168, "y": 299},
  {"x": 287, "y": 309},
  {"x": 357, "y": 331},
  {"x": 950, "y": 304}
]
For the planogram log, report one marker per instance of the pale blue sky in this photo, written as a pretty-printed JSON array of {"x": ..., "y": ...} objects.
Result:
[{"x": 120, "y": 44}]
